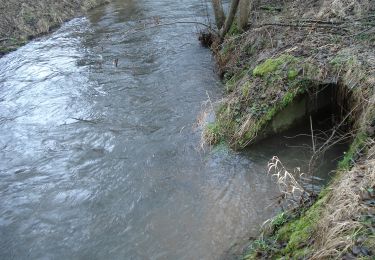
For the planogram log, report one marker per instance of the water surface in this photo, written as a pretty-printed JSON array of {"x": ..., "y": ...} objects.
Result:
[{"x": 103, "y": 162}]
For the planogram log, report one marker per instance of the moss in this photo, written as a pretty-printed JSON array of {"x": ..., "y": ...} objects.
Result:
[
  {"x": 268, "y": 116},
  {"x": 246, "y": 89},
  {"x": 294, "y": 232},
  {"x": 273, "y": 85},
  {"x": 272, "y": 65},
  {"x": 292, "y": 74},
  {"x": 297, "y": 233}
]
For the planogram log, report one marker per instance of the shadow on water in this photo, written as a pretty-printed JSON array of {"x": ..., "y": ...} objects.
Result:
[{"x": 99, "y": 161}]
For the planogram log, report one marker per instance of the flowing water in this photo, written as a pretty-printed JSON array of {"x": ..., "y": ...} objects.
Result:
[{"x": 103, "y": 162}]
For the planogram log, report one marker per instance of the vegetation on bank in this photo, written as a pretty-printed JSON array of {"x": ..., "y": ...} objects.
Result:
[
  {"x": 338, "y": 225},
  {"x": 22, "y": 20},
  {"x": 292, "y": 49}
]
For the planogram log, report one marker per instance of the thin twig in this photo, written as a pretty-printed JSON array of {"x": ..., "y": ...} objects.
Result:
[
  {"x": 331, "y": 140},
  {"x": 312, "y": 134},
  {"x": 318, "y": 21},
  {"x": 301, "y": 25}
]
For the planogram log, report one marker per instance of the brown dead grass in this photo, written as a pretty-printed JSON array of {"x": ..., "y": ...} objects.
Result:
[
  {"x": 344, "y": 8},
  {"x": 21, "y": 20},
  {"x": 341, "y": 218}
]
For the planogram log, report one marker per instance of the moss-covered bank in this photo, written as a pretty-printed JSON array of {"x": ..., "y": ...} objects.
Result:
[
  {"x": 290, "y": 50},
  {"x": 22, "y": 20}
]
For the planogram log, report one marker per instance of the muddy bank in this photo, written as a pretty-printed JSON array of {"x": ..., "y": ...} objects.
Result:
[
  {"x": 22, "y": 20},
  {"x": 291, "y": 53}
]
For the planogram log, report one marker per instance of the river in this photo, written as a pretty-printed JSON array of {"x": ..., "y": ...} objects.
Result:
[{"x": 104, "y": 162}]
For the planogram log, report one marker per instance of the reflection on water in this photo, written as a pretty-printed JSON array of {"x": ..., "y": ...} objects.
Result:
[{"x": 101, "y": 162}]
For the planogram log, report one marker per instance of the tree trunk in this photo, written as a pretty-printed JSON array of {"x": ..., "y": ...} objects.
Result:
[
  {"x": 219, "y": 13},
  {"x": 243, "y": 14},
  {"x": 230, "y": 18}
]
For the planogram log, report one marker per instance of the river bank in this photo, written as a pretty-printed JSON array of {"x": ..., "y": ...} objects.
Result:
[
  {"x": 22, "y": 20},
  {"x": 274, "y": 75}
]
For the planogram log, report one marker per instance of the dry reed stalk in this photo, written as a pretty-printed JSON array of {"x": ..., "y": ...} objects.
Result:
[{"x": 293, "y": 192}]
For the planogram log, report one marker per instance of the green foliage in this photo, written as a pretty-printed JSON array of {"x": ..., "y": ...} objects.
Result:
[
  {"x": 234, "y": 30},
  {"x": 212, "y": 132},
  {"x": 288, "y": 98},
  {"x": 359, "y": 142},
  {"x": 259, "y": 245},
  {"x": 279, "y": 220},
  {"x": 257, "y": 109}
]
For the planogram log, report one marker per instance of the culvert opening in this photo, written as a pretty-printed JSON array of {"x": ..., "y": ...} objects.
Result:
[
  {"x": 331, "y": 106},
  {"x": 328, "y": 105},
  {"x": 314, "y": 132}
]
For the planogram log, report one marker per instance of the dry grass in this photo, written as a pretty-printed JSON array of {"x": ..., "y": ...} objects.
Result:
[
  {"x": 340, "y": 222},
  {"x": 345, "y": 8},
  {"x": 21, "y": 20},
  {"x": 293, "y": 193}
]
